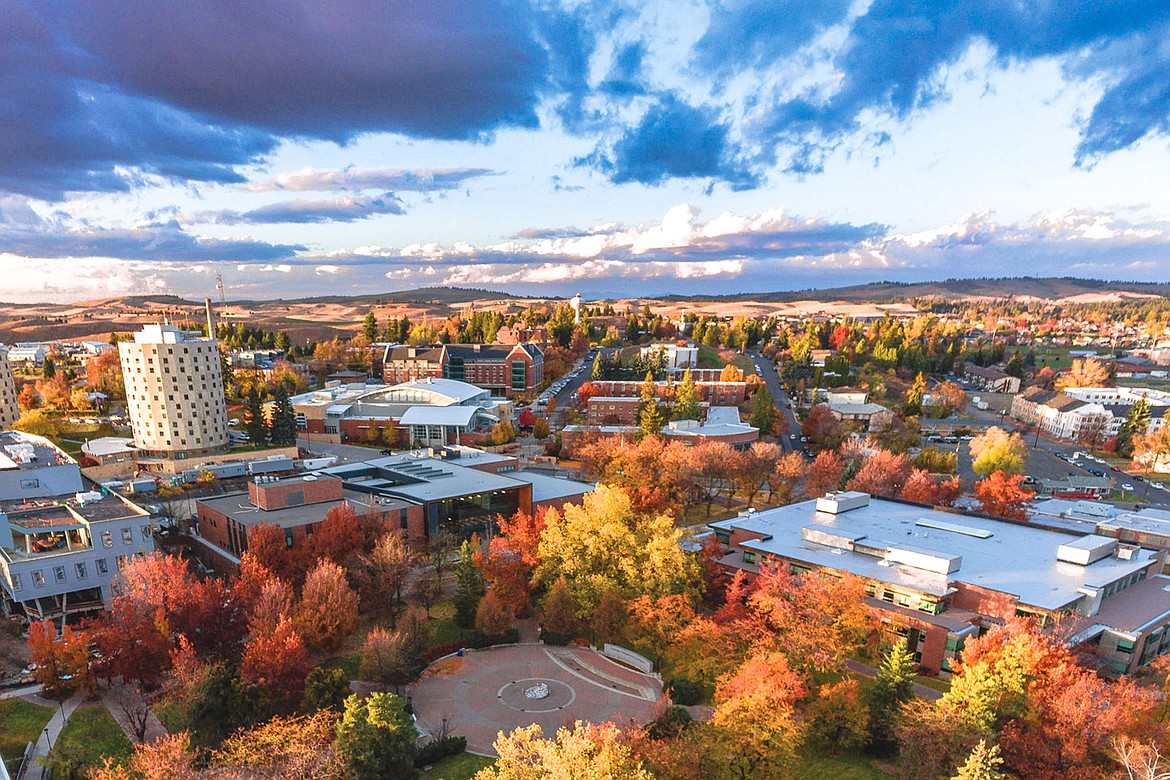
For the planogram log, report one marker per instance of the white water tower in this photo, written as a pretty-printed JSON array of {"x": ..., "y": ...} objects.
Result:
[{"x": 576, "y": 304}]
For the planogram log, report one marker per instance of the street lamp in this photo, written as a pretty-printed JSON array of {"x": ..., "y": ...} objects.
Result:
[{"x": 48, "y": 739}]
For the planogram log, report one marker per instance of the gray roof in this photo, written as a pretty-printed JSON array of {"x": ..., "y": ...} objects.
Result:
[
  {"x": 1009, "y": 558},
  {"x": 419, "y": 478},
  {"x": 439, "y": 415},
  {"x": 238, "y": 507},
  {"x": 546, "y": 488}
]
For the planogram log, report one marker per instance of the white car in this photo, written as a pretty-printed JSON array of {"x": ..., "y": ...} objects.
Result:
[{"x": 1127, "y": 487}]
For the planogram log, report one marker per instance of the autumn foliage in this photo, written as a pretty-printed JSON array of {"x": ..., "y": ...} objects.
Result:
[{"x": 1002, "y": 495}]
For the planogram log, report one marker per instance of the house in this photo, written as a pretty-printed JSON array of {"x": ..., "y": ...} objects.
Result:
[
  {"x": 871, "y": 417},
  {"x": 990, "y": 380},
  {"x": 1061, "y": 415},
  {"x": 936, "y": 578}
]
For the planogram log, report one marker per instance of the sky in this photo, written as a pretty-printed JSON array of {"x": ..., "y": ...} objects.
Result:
[{"x": 320, "y": 147}]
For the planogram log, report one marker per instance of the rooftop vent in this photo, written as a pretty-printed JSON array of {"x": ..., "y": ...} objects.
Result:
[
  {"x": 1086, "y": 550},
  {"x": 837, "y": 503}
]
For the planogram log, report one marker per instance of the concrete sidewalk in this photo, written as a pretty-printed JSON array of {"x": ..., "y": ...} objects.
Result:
[
  {"x": 34, "y": 769},
  {"x": 154, "y": 727}
]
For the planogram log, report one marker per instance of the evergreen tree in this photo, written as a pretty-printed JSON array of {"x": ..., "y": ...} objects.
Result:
[
  {"x": 893, "y": 687},
  {"x": 1136, "y": 423},
  {"x": 686, "y": 399},
  {"x": 48, "y": 368},
  {"x": 982, "y": 764},
  {"x": 254, "y": 424},
  {"x": 598, "y": 366},
  {"x": 468, "y": 586},
  {"x": 370, "y": 327},
  {"x": 1015, "y": 366},
  {"x": 282, "y": 429},
  {"x": 915, "y": 394},
  {"x": 763, "y": 414},
  {"x": 651, "y": 419},
  {"x": 376, "y": 738}
]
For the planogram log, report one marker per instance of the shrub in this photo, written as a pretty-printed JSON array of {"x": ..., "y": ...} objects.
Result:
[
  {"x": 684, "y": 692},
  {"x": 669, "y": 724},
  {"x": 438, "y": 749}
]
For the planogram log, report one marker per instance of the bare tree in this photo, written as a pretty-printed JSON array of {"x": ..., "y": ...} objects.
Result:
[
  {"x": 132, "y": 704},
  {"x": 1140, "y": 760}
]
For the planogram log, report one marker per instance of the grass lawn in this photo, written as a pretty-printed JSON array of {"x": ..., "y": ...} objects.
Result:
[
  {"x": 91, "y": 735},
  {"x": 933, "y": 682},
  {"x": 20, "y": 723},
  {"x": 842, "y": 767},
  {"x": 347, "y": 663},
  {"x": 443, "y": 628},
  {"x": 172, "y": 715},
  {"x": 460, "y": 767}
]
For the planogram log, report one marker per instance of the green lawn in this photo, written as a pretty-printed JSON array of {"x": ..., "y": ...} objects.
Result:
[
  {"x": 842, "y": 767},
  {"x": 460, "y": 767},
  {"x": 91, "y": 735},
  {"x": 347, "y": 663},
  {"x": 933, "y": 682},
  {"x": 20, "y": 723},
  {"x": 172, "y": 715},
  {"x": 443, "y": 628}
]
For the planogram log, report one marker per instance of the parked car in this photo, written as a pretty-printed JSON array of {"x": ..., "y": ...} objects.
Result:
[{"x": 1128, "y": 487}]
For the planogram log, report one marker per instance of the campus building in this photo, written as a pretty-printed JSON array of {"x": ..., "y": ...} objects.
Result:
[
  {"x": 722, "y": 425},
  {"x": 937, "y": 578},
  {"x": 9, "y": 409},
  {"x": 989, "y": 379},
  {"x": 174, "y": 394},
  {"x": 504, "y": 369},
  {"x": 431, "y": 412},
  {"x": 453, "y": 490},
  {"x": 62, "y": 539}
]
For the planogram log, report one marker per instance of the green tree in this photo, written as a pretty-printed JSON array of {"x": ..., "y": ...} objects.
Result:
[
  {"x": 892, "y": 689},
  {"x": 325, "y": 689},
  {"x": 370, "y": 327},
  {"x": 48, "y": 368},
  {"x": 763, "y": 415},
  {"x": 1015, "y": 366},
  {"x": 376, "y": 738},
  {"x": 283, "y": 425},
  {"x": 650, "y": 415},
  {"x": 983, "y": 763},
  {"x": 1133, "y": 427},
  {"x": 254, "y": 424},
  {"x": 913, "y": 404},
  {"x": 469, "y": 586},
  {"x": 686, "y": 399}
]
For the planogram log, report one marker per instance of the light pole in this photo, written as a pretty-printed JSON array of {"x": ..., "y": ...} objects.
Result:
[{"x": 48, "y": 739}]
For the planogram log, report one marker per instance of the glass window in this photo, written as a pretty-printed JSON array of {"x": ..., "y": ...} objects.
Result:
[
  {"x": 146, "y": 532},
  {"x": 102, "y": 568},
  {"x": 80, "y": 569},
  {"x": 59, "y": 573},
  {"x": 127, "y": 536},
  {"x": 16, "y": 582},
  {"x": 122, "y": 560},
  {"x": 38, "y": 578},
  {"x": 107, "y": 539},
  {"x": 749, "y": 557}
]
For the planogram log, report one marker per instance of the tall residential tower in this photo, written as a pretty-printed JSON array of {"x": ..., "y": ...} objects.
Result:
[
  {"x": 9, "y": 410},
  {"x": 174, "y": 391}
]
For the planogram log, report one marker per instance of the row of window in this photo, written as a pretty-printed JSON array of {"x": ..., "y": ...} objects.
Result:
[{"x": 80, "y": 571}]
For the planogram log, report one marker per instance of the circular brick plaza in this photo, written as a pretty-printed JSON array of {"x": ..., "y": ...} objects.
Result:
[{"x": 488, "y": 691}]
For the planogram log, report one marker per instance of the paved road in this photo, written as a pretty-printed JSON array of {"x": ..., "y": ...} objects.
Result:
[{"x": 783, "y": 402}]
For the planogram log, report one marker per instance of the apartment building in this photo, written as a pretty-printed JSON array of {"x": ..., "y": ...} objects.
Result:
[
  {"x": 62, "y": 539},
  {"x": 9, "y": 409},
  {"x": 174, "y": 394}
]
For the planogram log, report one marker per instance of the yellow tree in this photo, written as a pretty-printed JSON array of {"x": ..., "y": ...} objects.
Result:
[
  {"x": 583, "y": 752},
  {"x": 604, "y": 544},
  {"x": 328, "y": 610},
  {"x": 998, "y": 450},
  {"x": 1085, "y": 372},
  {"x": 756, "y": 717}
]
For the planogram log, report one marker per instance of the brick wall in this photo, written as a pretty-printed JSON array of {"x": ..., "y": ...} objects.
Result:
[{"x": 276, "y": 495}]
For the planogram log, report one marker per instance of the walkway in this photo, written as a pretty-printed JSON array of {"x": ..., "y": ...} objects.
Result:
[
  {"x": 920, "y": 690},
  {"x": 34, "y": 770},
  {"x": 111, "y": 698}
]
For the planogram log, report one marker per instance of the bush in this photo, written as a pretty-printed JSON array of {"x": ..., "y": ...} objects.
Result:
[
  {"x": 553, "y": 638},
  {"x": 669, "y": 724},
  {"x": 438, "y": 749},
  {"x": 684, "y": 692}
]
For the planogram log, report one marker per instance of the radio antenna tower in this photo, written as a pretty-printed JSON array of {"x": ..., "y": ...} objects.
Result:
[{"x": 219, "y": 286}]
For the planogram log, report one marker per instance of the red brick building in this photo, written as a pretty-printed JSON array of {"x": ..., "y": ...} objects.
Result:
[
  {"x": 505, "y": 369},
  {"x": 713, "y": 393}
]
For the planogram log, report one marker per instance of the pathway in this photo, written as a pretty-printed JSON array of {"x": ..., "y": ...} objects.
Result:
[
  {"x": 920, "y": 690},
  {"x": 34, "y": 770},
  {"x": 154, "y": 727}
]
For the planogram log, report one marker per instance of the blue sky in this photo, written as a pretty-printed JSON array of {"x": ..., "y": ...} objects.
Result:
[{"x": 694, "y": 146}]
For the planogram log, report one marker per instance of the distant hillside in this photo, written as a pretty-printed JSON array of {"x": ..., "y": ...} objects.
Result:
[
  {"x": 435, "y": 296},
  {"x": 951, "y": 289}
]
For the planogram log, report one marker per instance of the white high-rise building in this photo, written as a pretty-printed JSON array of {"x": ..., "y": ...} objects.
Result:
[
  {"x": 174, "y": 392},
  {"x": 9, "y": 410}
]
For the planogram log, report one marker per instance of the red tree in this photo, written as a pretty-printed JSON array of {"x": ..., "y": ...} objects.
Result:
[
  {"x": 512, "y": 558},
  {"x": 822, "y": 428},
  {"x": 923, "y": 488},
  {"x": 338, "y": 536},
  {"x": 527, "y": 418},
  {"x": 1003, "y": 495},
  {"x": 824, "y": 474},
  {"x": 882, "y": 474},
  {"x": 60, "y": 658},
  {"x": 586, "y": 391},
  {"x": 278, "y": 662}
]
